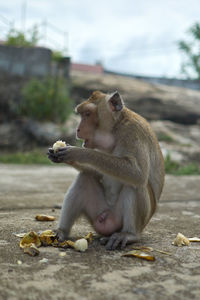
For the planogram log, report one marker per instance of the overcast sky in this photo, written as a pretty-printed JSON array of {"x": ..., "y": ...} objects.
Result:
[{"x": 138, "y": 37}]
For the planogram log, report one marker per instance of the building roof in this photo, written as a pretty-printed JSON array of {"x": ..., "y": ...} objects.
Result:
[{"x": 98, "y": 69}]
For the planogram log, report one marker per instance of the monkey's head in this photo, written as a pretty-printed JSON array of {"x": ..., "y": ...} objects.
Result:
[{"x": 99, "y": 114}]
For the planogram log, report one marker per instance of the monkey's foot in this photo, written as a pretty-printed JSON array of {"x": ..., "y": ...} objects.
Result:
[
  {"x": 119, "y": 239},
  {"x": 61, "y": 235}
]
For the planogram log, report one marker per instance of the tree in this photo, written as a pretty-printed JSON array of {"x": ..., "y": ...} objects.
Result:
[
  {"x": 20, "y": 39},
  {"x": 44, "y": 100},
  {"x": 191, "y": 50}
]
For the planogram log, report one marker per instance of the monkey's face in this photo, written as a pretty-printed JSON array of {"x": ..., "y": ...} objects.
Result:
[
  {"x": 88, "y": 124},
  {"x": 98, "y": 116}
]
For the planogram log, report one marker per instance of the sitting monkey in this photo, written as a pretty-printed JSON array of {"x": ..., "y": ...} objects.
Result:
[{"x": 121, "y": 171}]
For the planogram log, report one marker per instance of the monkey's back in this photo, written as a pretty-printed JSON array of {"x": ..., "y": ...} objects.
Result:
[{"x": 138, "y": 130}]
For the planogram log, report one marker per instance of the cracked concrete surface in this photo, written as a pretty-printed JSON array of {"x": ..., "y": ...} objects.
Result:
[{"x": 96, "y": 274}]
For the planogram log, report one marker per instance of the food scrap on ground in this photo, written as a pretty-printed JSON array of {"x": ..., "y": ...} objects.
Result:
[
  {"x": 81, "y": 245},
  {"x": 150, "y": 249},
  {"x": 181, "y": 240},
  {"x": 47, "y": 237},
  {"x": 140, "y": 254},
  {"x": 194, "y": 239},
  {"x": 32, "y": 250},
  {"x": 44, "y": 218},
  {"x": 31, "y": 241},
  {"x": 89, "y": 237},
  {"x": 62, "y": 254}
]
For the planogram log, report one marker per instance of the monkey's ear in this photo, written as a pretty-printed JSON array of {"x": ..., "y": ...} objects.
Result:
[{"x": 115, "y": 102}]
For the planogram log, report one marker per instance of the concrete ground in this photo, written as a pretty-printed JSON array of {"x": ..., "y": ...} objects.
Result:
[{"x": 96, "y": 274}]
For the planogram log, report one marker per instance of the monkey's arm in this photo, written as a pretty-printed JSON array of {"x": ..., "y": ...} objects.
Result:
[
  {"x": 78, "y": 166},
  {"x": 84, "y": 168},
  {"x": 126, "y": 168}
]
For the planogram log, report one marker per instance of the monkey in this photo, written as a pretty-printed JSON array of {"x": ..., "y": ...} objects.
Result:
[{"x": 121, "y": 171}]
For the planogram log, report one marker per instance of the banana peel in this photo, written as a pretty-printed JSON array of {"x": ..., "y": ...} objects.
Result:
[
  {"x": 32, "y": 250},
  {"x": 140, "y": 254},
  {"x": 89, "y": 237},
  {"x": 43, "y": 218},
  {"x": 48, "y": 238},
  {"x": 29, "y": 239}
]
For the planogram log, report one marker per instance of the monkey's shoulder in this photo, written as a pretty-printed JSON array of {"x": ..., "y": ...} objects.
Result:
[{"x": 136, "y": 126}]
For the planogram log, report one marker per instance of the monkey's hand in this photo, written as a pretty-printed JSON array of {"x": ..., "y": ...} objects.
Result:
[
  {"x": 61, "y": 156},
  {"x": 60, "y": 235},
  {"x": 119, "y": 239}
]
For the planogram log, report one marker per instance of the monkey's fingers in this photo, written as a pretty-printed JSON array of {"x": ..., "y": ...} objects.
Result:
[
  {"x": 115, "y": 240},
  {"x": 53, "y": 157},
  {"x": 63, "y": 149},
  {"x": 62, "y": 152},
  {"x": 60, "y": 235},
  {"x": 121, "y": 238},
  {"x": 50, "y": 150}
]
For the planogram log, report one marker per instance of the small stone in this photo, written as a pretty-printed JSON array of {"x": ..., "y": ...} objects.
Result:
[{"x": 44, "y": 260}]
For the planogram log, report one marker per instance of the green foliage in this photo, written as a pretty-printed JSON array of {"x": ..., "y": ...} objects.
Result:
[
  {"x": 191, "y": 49},
  {"x": 57, "y": 56},
  {"x": 33, "y": 157},
  {"x": 46, "y": 100},
  {"x": 174, "y": 168},
  {"x": 18, "y": 38},
  {"x": 165, "y": 138},
  {"x": 170, "y": 166}
]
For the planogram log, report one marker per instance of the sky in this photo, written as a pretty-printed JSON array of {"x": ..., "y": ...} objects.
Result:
[{"x": 137, "y": 37}]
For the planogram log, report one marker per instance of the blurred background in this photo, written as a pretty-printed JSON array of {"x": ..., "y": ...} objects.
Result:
[{"x": 54, "y": 54}]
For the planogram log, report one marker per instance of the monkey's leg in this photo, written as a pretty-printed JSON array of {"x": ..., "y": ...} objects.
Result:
[
  {"x": 135, "y": 206},
  {"x": 104, "y": 218},
  {"x": 86, "y": 196},
  {"x": 83, "y": 190}
]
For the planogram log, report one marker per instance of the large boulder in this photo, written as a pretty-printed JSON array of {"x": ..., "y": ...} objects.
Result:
[
  {"x": 154, "y": 102},
  {"x": 181, "y": 142},
  {"x": 27, "y": 134}
]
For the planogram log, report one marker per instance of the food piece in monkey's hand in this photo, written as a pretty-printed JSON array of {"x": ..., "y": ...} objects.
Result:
[
  {"x": 44, "y": 218},
  {"x": 57, "y": 145},
  {"x": 181, "y": 240}
]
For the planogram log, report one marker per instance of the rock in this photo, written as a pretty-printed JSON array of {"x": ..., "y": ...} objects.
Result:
[
  {"x": 12, "y": 137},
  {"x": 26, "y": 134},
  {"x": 43, "y": 133},
  {"x": 180, "y": 141},
  {"x": 154, "y": 102}
]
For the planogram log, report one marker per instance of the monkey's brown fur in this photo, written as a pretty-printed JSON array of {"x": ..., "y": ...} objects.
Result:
[{"x": 123, "y": 161}]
